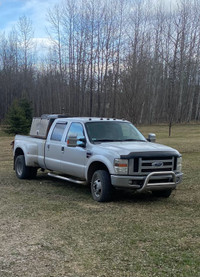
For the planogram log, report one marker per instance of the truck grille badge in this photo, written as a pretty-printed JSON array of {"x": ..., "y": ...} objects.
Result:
[{"x": 157, "y": 164}]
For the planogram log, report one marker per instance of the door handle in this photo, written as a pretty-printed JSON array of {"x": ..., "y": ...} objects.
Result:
[
  {"x": 48, "y": 146},
  {"x": 62, "y": 148}
]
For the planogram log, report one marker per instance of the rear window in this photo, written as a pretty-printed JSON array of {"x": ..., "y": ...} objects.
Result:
[{"x": 58, "y": 131}]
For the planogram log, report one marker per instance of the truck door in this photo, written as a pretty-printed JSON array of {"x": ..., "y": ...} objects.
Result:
[
  {"x": 53, "y": 147},
  {"x": 73, "y": 159}
]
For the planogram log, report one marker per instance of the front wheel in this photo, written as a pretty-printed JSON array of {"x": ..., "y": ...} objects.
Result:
[
  {"x": 162, "y": 193},
  {"x": 101, "y": 187}
]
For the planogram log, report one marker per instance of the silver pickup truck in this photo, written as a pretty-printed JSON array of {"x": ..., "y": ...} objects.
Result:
[{"x": 105, "y": 153}]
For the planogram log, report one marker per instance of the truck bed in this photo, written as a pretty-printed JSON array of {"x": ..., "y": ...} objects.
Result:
[{"x": 34, "y": 149}]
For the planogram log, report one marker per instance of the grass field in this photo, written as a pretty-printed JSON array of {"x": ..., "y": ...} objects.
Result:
[{"x": 50, "y": 228}]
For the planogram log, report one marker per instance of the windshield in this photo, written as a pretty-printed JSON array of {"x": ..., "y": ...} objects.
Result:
[{"x": 106, "y": 131}]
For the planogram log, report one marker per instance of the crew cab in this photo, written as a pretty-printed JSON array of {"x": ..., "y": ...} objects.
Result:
[{"x": 102, "y": 152}]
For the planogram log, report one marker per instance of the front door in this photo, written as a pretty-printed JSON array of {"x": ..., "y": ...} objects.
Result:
[{"x": 73, "y": 159}]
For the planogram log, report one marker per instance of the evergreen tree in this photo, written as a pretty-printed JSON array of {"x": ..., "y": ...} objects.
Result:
[{"x": 19, "y": 117}]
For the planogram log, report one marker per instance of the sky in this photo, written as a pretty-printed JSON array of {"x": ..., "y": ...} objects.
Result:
[{"x": 36, "y": 10}]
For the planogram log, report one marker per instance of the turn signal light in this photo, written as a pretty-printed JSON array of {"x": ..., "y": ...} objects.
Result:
[{"x": 121, "y": 166}]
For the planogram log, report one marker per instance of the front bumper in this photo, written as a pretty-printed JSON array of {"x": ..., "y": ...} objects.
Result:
[{"x": 152, "y": 181}]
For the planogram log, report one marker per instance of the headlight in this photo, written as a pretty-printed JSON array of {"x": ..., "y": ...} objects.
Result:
[
  {"x": 179, "y": 164},
  {"x": 121, "y": 166}
]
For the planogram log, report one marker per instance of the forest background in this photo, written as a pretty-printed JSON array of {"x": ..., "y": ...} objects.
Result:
[{"x": 131, "y": 59}]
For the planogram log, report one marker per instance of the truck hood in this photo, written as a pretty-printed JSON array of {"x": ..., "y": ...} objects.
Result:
[{"x": 133, "y": 149}]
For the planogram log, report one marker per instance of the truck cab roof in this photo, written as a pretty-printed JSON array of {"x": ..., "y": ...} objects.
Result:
[{"x": 93, "y": 119}]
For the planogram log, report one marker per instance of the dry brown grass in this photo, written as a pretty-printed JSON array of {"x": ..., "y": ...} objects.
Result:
[{"x": 53, "y": 228}]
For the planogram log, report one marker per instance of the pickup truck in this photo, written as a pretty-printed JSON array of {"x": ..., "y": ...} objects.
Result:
[{"x": 102, "y": 152}]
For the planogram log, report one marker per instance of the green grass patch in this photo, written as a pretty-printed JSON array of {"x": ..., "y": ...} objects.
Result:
[{"x": 54, "y": 228}]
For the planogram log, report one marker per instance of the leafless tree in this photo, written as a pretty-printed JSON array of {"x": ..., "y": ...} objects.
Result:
[{"x": 113, "y": 58}]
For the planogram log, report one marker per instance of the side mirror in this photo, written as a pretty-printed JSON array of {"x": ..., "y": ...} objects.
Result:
[
  {"x": 151, "y": 137},
  {"x": 81, "y": 142},
  {"x": 72, "y": 141}
]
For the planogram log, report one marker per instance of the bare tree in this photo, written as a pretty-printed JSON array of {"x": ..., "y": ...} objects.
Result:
[
  {"x": 25, "y": 40},
  {"x": 119, "y": 58}
]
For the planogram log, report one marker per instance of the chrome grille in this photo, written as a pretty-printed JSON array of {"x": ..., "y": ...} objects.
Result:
[{"x": 147, "y": 165}]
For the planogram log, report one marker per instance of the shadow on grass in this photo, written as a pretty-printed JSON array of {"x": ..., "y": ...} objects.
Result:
[
  {"x": 83, "y": 191},
  {"x": 132, "y": 196},
  {"x": 65, "y": 186}
]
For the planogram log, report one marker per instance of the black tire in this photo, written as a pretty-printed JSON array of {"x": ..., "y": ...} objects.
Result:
[
  {"x": 101, "y": 187},
  {"x": 22, "y": 171},
  {"x": 162, "y": 193}
]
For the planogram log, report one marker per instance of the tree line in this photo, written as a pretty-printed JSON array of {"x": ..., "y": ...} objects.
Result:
[{"x": 133, "y": 59}]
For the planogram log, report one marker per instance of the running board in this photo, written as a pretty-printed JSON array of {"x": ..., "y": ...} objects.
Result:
[{"x": 67, "y": 179}]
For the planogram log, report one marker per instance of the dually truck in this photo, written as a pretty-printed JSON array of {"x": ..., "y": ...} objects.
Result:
[{"x": 102, "y": 152}]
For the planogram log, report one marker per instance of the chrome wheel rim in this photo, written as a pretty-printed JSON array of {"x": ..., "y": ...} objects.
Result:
[
  {"x": 19, "y": 167},
  {"x": 97, "y": 188}
]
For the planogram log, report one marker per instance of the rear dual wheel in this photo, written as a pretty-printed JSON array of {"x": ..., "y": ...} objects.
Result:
[{"x": 23, "y": 171}]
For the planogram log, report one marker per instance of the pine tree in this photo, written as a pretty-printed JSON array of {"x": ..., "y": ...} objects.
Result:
[{"x": 19, "y": 117}]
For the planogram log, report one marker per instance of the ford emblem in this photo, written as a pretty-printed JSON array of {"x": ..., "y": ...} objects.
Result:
[{"x": 157, "y": 164}]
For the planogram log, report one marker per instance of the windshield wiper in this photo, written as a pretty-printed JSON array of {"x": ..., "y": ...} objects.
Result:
[
  {"x": 117, "y": 140},
  {"x": 121, "y": 140},
  {"x": 133, "y": 140},
  {"x": 103, "y": 140}
]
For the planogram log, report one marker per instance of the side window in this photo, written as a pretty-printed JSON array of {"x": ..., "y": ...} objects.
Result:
[
  {"x": 58, "y": 131},
  {"x": 77, "y": 130}
]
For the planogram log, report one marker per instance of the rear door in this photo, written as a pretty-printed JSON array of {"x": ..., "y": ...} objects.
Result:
[{"x": 53, "y": 147}]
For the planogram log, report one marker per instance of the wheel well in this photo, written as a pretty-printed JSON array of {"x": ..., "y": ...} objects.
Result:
[
  {"x": 93, "y": 167},
  {"x": 18, "y": 152}
]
